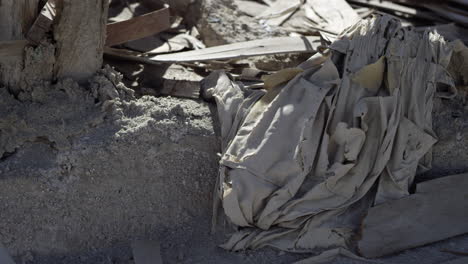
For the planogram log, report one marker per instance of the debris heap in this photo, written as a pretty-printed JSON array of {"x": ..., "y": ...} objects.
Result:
[{"x": 303, "y": 161}]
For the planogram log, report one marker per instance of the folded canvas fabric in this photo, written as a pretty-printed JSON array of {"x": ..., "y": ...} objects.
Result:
[{"x": 302, "y": 162}]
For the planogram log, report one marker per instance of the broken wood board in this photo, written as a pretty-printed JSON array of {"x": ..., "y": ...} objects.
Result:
[
  {"x": 394, "y": 7},
  {"x": 177, "y": 81},
  {"x": 180, "y": 82},
  {"x": 117, "y": 32},
  {"x": 146, "y": 252},
  {"x": 181, "y": 88},
  {"x": 82, "y": 24},
  {"x": 165, "y": 43},
  {"x": 138, "y": 27},
  {"x": 123, "y": 10},
  {"x": 437, "y": 211},
  {"x": 127, "y": 55},
  {"x": 452, "y": 14},
  {"x": 14, "y": 48},
  {"x": 43, "y": 23},
  {"x": 270, "y": 46}
]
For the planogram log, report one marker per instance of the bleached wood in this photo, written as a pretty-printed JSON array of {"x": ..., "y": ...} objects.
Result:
[
  {"x": 245, "y": 49},
  {"x": 138, "y": 27},
  {"x": 438, "y": 210},
  {"x": 80, "y": 32}
]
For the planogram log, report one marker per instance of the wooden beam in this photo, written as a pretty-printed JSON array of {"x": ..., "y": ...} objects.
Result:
[
  {"x": 12, "y": 49},
  {"x": 394, "y": 7},
  {"x": 138, "y": 27},
  {"x": 438, "y": 210},
  {"x": 16, "y": 17},
  {"x": 80, "y": 32},
  {"x": 270, "y": 46},
  {"x": 117, "y": 33},
  {"x": 43, "y": 23}
]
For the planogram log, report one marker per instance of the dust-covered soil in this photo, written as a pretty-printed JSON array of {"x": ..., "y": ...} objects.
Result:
[{"x": 86, "y": 168}]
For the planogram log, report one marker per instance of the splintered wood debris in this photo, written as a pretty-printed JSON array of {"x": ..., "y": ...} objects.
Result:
[
  {"x": 246, "y": 49},
  {"x": 43, "y": 23},
  {"x": 13, "y": 48},
  {"x": 117, "y": 32},
  {"x": 138, "y": 27},
  {"x": 438, "y": 210}
]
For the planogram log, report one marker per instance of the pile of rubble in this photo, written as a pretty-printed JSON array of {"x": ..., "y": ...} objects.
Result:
[{"x": 336, "y": 129}]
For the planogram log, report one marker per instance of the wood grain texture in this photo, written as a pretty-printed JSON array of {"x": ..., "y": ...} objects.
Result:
[
  {"x": 80, "y": 35},
  {"x": 138, "y": 27},
  {"x": 12, "y": 49},
  {"x": 16, "y": 16},
  {"x": 437, "y": 211},
  {"x": 43, "y": 23},
  {"x": 246, "y": 49}
]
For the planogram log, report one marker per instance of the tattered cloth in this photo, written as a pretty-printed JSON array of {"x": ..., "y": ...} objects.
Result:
[{"x": 303, "y": 162}]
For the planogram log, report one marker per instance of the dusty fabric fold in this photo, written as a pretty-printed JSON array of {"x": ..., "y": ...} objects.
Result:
[{"x": 302, "y": 163}]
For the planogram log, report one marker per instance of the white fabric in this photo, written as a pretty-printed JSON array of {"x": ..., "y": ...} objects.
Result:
[{"x": 299, "y": 163}]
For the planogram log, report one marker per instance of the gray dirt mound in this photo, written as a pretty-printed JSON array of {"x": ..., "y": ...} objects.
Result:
[{"x": 86, "y": 167}]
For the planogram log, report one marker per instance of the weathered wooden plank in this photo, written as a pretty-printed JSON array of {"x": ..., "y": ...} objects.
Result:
[
  {"x": 438, "y": 210},
  {"x": 16, "y": 17},
  {"x": 80, "y": 35},
  {"x": 43, "y": 22},
  {"x": 180, "y": 82},
  {"x": 246, "y": 49},
  {"x": 12, "y": 49},
  {"x": 138, "y": 27},
  {"x": 117, "y": 33},
  {"x": 390, "y": 6},
  {"x": 127, "y": 55}
]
